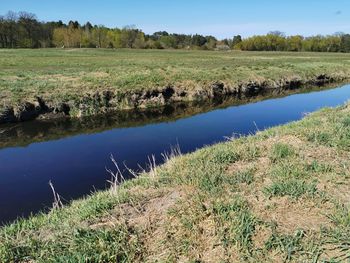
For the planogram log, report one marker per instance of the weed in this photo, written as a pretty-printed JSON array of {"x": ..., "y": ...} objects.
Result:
[
  {"x": 318, "y": 167},
  {"x": 246, "y": 176},
  {"x": 289, "y": 170},
  {"x": 240, "y": 221},
  {"x": 342, "y": 216},
  {"x": 281, "y": 151},
  {"x": 287, "y": 244},
  {"x": 346, "y": 122},
  {"x": 290, "y": 187},
  {"x": 322, "y": 138}
]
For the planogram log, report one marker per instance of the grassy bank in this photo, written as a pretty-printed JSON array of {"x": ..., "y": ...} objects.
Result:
[
  {"x": 281, "y": 195},
  {"x": 81, "y": 77},
  {"x": 14, "y": 135}
]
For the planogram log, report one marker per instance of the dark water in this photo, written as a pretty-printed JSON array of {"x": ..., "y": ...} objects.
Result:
[{"x": 74, "y": 154}]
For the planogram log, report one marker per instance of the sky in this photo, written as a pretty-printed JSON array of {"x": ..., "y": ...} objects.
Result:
[{"x": 220, "y": 18}]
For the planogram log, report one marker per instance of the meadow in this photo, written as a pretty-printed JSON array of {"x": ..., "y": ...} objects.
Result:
[{"x": 67, "y": 75}]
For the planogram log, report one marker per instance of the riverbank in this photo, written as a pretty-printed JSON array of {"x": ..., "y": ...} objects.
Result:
[
  {"x": 277, "y": 196},
  {"x": 26, "y": 133},
  {"x": 82, "y": 82}
]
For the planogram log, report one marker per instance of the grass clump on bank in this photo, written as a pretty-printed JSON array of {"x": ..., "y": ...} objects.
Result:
[
  {"x": 291, "y": 187},
  {"x": 279, "y": 196}
]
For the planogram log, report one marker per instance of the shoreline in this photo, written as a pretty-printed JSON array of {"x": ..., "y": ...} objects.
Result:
[
  {"x": 109, "y": 102},
  {"x": 40, "y": 130}
]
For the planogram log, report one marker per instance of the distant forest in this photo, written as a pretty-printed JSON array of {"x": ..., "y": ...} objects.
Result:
[{"x": 24, "y": 30}]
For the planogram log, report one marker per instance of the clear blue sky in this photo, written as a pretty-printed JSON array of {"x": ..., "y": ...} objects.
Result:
[{"x": 221, "y": 18}]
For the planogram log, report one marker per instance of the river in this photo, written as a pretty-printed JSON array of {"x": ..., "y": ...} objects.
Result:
[{"x": 74, "y": 154}]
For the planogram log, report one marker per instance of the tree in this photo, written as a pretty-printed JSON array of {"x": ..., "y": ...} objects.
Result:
[
  {"x": 139, "y": 40},
  {"x": 3, "y": 37},
  {"x": 168, "y": 42},
  {"x": 211, "y": 42},
  {"x": 236, "y": 41},
  {"x": 157, "y": 35},
  {"x": 11, "y": 29},
  {"x": 46, "y": 34},
  {"x": 129, "y": 35},
  {"x": 88, "y": 26},
  {"x": 99, "y": 36},
  {"x": 332, "y": 43},
  {"x": 345, "y": 43},
  {"x": 295, "y": 43},
  {"x": 113, "y": 38},
  {"x": 30, "y": 30},
  {"x": 59, "y": 37},
  {"x": 198, "y": 40},
  {"x": 74, "y": 24}
]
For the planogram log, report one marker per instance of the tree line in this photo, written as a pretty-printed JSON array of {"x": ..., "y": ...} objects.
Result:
[
  {"x": 24, "y": 30},
  {"x": 277, "y": 41}
]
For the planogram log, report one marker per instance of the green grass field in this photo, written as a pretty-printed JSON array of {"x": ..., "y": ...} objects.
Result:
[
  {"x": 279, "y": 196},
  {"x": 67, "y": 75}
]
